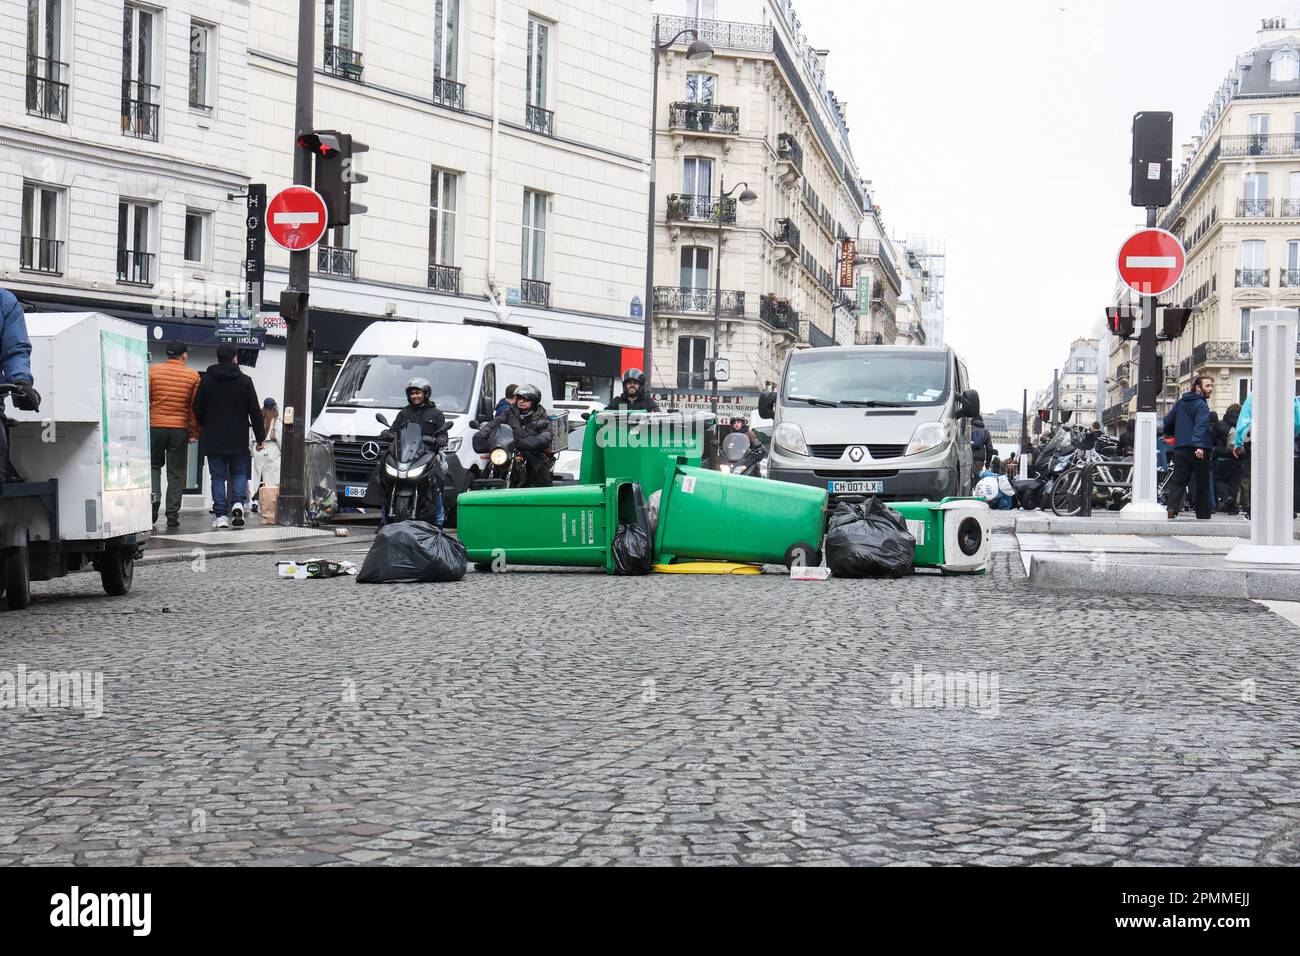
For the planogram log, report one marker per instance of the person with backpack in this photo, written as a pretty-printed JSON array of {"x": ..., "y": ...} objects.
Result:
[{"x": 981, "y": 445}]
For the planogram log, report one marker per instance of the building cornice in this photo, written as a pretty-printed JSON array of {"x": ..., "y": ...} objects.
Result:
[{"x": 91, "y": 153}]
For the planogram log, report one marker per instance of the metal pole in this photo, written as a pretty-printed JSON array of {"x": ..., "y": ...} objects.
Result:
[
  {"x": 647, "y": 346},
  {"x": 291, "y": 509},
  {"x": 1056, "y": 397},
  {"x": 1143, "y": 506},
  {"x": 717, "y": 302}
]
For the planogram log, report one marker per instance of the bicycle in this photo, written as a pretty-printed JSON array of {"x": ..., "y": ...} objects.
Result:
[{"x": 1109, "y": 489}]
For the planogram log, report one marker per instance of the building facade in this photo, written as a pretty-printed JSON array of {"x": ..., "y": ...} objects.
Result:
[
  {"x": 1076, "y": 387},
  {"x": 1236, "y": 208},
  {"x": 878, "y": 279},
  {"x": 758, "y": 113},
  {"x": 506, "y": 171}
]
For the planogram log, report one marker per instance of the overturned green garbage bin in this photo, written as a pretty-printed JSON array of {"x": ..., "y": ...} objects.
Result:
[
  {"x": 636, "y": 445},
  {"x": 952, "y": 535},
  {"x": 710, "y": 515},
  {"x": 568, "y": 526}
]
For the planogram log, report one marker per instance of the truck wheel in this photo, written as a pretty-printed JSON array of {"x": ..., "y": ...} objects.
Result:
[
  {"x": 117, "y": 570},
  {"x": 17, "y": 578},
  {"x": 802, "y": 554}
]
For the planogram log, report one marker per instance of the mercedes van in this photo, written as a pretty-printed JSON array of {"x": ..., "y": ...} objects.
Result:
[
  {"x": 469, "y": 367},
  {"x": 893, "y": 422}
]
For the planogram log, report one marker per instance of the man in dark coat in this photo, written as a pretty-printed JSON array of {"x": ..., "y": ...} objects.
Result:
[
  {"x": 634, "y": 397},
  {"x": 423, "y": 411},
  {"x": 226, "y": 406},
  {"x": 531, "y": 426},
  {"x": 1189, "y": 421}
]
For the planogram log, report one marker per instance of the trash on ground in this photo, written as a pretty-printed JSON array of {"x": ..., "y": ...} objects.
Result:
[
  {"x": 413, "y": 552},
  {"x": 632, "y": 555},
  {"x": 706, "y": 567},
  {"x": 868, "y": 540},
  {"x": 314, "y": 568},
  {"x": 809, "y": 573}
]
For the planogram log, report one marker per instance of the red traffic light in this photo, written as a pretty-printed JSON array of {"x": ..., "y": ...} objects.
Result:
[
  {"x": 1044, "y": 414},
  {"x": 1119, "y": 319},
  {"x": 323, "y": 143}
]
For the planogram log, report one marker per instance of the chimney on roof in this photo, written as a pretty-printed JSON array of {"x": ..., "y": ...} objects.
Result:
[{"x": 821, "y": 58}]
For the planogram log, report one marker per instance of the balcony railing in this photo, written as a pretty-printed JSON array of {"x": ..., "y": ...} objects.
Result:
[
  {"x": 444, "y": 278},
  {"x": 1290, "y": 278},
  {"x": 704, "y": 118},
  {"x": 336, "y": 261},
  {"x": 698, "y": 301},
  {"x": 343, "y": 62},
  {"x": 449, "y": 93},
  {"x": 1255, "y": 208},
  {"x": 1261, "y": 144},
  {"x": 868, "y": 338},
  {"x": 1252, "y": 278},
  {"x": 875, "y": 249},
  {"x": 535, "y": 292},
  {"x": 540, "y": 120},
  {"x": 47, "y": 91},
  {"x": 778, "y": 313},
  {"x": 40, "y": 255},
  {"x": 1222, "y": 352},
  {"x": 140, "y": 109},
  {"x": 1291, "y": 208},
  {"x": 134, "y": 268},
  {"x": 787, "y": 233},
  {"x": 788, "y": 150},
  {"x": 685, "y": 207}
]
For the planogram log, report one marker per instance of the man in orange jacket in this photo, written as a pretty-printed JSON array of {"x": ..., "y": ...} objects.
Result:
[{"x": 172, "y": 426}]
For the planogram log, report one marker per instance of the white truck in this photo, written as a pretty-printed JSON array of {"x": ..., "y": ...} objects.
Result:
[{"x": 83, "y": 498}]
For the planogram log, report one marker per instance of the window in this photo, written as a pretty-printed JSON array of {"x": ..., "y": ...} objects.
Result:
[
  {"x": 534, "y": 235},
  {"x": 341, "y": 56},
  {"x": 200, "y": 66},
  {"x": 691, "y": 354},
  {"x": 1284, "y": 66},
  {"x": 1293, "y": 256},
  {"x": 40, "y": 248},
  {"x": 446, "y": 38},
  {"x": 697, "y": 176},
  {"x": 539, "y": 62},
  {"x": 196, "y": 227},
  {"x": 487, "y": 398},
  {"x": 700, "y": 87},
  {"x": 442, "y": 218},
  {"x": 695, "y": 268},
  {"x": 1252, "y": 254},
  {"x": 701, "y": 9},
  {"x": 1256, "y": 186},
  {"x": 47, "y": 87},
  {"x": 134, "y": 258},
  {"x": 140, "y": 96},
  {"x": 1245, "y": 336}
]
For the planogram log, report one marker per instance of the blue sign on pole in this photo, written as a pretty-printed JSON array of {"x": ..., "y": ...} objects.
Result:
[
  {"x": 637, "y": 310},
  {"x": 234, "y": 321}
]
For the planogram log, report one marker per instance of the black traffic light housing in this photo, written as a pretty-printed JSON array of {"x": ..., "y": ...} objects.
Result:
[
  {"x": 1153, "y": 159},
  {"x": 334, "y": 171},
  {"x": 1044, "y": 414},
  {"x": 1120, "y": 320},
  {"x": 1065, "y": 415},
  {"x": 1172, "y": 323}
]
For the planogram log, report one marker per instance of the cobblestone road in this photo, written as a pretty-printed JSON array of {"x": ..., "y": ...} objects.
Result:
[{"x": 575, "y": 719}]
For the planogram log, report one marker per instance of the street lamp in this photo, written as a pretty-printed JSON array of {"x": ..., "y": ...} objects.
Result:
[
  {"x": 699, "y": 52},
  {"x": 747, "y": 197}
]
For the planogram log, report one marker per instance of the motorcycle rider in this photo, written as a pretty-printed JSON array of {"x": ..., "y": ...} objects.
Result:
[
  {"x": 421, "y": 410},
  {"x": 531, "y": 426},
  {"x": 635, "y": 398}
]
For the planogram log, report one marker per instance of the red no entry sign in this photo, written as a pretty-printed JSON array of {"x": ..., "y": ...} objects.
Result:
[
  {"x": 296, "y": 218},
  {"x": 1151, "y": 261}
]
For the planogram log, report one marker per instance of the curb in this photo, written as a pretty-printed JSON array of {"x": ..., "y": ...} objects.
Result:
[
  {"x": 1189, "y": 526},
  {"x": 1060, "y": 573},
  {"x": 176, "y": 555}
]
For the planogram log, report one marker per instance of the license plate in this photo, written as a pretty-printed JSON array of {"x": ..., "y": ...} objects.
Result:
[
  {"x": 856, "y": 487},
  {"x": 354, "y": 491}
]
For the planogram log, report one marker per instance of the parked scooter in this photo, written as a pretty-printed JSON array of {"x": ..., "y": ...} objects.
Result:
[{"x": 412, "y": 472}]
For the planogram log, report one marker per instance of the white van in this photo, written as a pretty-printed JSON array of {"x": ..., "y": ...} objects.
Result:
[
  {"x": 469, "y": 367},
  {"x": 888, "y": 421}
]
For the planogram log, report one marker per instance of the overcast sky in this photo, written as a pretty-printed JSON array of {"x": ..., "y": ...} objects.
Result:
[{"x": 1004, "y": 128}]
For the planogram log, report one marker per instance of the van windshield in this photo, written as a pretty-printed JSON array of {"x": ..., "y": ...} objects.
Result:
[
  {"x": 379, "y": 381},
  {"x": 830, "y": 377}
]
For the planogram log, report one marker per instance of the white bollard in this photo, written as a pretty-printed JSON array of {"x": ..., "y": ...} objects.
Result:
[
  {"x": 1143, "y": 507},
  {"x": 1272, "y": 441},
  {"x": 1024, "y": 465}
]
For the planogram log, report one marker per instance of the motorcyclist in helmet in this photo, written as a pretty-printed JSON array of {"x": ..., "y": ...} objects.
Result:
[
  {"x": 531, "y": 425},
  {"x": 421, "y": 410},
  {"x": 635, "y": 398}
]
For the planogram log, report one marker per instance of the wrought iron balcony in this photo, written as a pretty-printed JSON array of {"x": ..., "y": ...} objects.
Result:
[
  {"x": 1252, "y": 278},
  {"x": 540, "y": 120},
  {"x": 868, "y": 338},
  {"x": 1261, "y": 144},
  {"x": 336, "y": 261},
  {"x": 444, "y": 278},
  {"x": 134, "y": 268},
  {"x": 698, "y": 301},
  {"x": 1291, "y": 208},
  {"x": 789, "y": 151},
  {"x": 1290, "y": 278},
  {"x": 684, "y": 207},
  {"x": 47, "y": 91},
  {"x": 341, "y": 61},
  {"x": 704, "y": 118},
  {"x": 535, "y": 292},
  {"x": 787, "y": 234},
  {"x": 778, "y": 313},
  {"x": 40, "y": 255},
  {"x": 1255, "y": 208},
  {"x": 140, "y": 109},
  {"x": 449, "y": 93}
]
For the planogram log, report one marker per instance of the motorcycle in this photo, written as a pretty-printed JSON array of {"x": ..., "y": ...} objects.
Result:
[
  {"x": 740, "y": 457},
  {"x": 412, "y": 471},
  {"x": 505, "y": 467}
]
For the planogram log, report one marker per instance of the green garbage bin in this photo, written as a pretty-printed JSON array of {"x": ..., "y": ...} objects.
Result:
[
  {"x": 568, "y": 526},
  {"x": 952, "y": 534},
  {"x": 711, "y": 515},
  {"x": 636, "y": 445}
]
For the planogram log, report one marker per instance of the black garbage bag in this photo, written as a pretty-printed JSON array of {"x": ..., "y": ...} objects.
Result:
[
  {"x": 1029, "y": 492},
  {"x": 868, "y": 541},
  {"x": 632, "y": 552},
  {"x": 413, "y": 551}
]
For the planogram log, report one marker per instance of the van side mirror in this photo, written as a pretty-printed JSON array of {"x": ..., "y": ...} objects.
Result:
[
  {"x": 767, "y": 405},
  {"x": 970, "y": 400},
  {"x": 473, "y": 424},
  {"x": 379, "y": 417}
]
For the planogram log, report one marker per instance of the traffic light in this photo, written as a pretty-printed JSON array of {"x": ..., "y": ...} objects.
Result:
[
  {"x": 1119, "y": 319},
  {"x": 1044, "y": 414},
  {"x": 1152, "y": 160},
  {"x": 1065, "y": 415},
  {"x": 334, "y": 171},
  {"x": 1173, "y": 322}
]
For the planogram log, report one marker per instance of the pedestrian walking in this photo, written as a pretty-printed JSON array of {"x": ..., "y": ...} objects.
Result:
[
  {"x": 172, "y": 426},
  {"x": 1189, "y": 423},
  {"x": 981, "y": 445},
  {"x": 266, "y": 463},
  {"x": 226, "y": 407}
]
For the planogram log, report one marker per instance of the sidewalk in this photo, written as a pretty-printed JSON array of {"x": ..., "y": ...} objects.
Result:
[{"x": 256, "y": 537}]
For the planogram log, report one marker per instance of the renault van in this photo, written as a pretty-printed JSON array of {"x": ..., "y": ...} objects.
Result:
[
  {"x": 888, "y": 421},
  {"x": 469, "y": 367}
]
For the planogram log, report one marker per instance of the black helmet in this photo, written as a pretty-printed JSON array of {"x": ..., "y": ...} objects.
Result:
[
  {"x": 422, "y": 384},
  {"x": 530, "y": 393},
  {"x": 634, "y": 375}
]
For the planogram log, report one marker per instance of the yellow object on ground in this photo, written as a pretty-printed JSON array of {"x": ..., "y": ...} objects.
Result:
[{"x": 706, "y": 567}]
